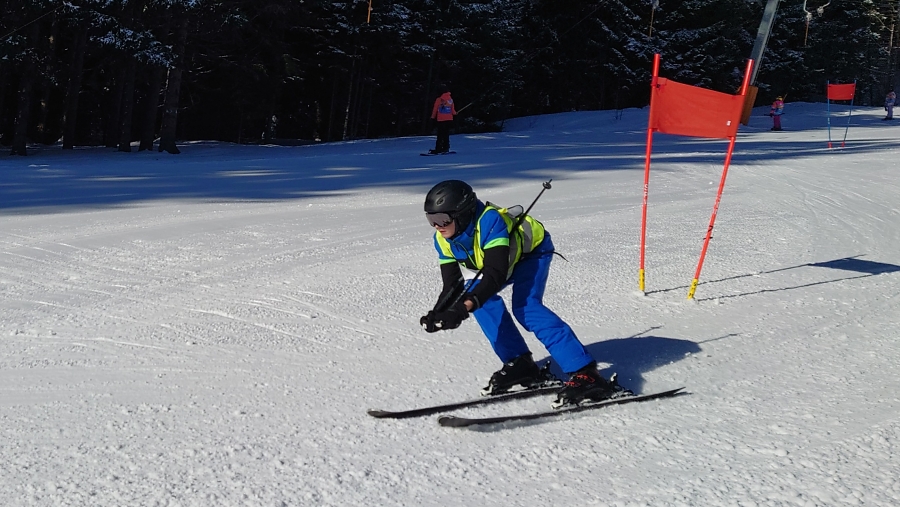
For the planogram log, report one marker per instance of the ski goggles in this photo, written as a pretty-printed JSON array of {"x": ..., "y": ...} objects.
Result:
[{"x": 439, "y": 219}]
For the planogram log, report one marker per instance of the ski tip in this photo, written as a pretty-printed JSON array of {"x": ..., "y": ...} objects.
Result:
[
  {"x": 670, "y": 392},
  {"x": 451, "y": 421},
  {"x": 378, "y": 413},
  {"x": 666, "y": 393}
]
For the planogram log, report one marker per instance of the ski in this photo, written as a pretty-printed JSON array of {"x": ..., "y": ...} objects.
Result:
[
  {"x": 435, "y": 154},
  {"x": 451, "y": 421},
  {"x": 436, "y": 409}
]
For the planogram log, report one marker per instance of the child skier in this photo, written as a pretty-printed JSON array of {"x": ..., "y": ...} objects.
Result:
[
  {"x": 471, "y": 235},
  {"x": 776, "y": 112}
]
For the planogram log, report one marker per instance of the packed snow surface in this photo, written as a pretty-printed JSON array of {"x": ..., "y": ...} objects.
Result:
[{"x": 210, "y": 328}]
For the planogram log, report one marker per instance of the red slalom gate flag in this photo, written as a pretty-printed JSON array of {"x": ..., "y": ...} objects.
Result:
[
  {"x": 686, "y": 110},
  {"x": 841, "y": 91}
]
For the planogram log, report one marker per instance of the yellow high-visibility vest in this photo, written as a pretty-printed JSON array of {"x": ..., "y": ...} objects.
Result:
[{"x": 525, "y": 238}]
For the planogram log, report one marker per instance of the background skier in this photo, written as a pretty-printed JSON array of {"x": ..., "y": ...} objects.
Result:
[
  {"x": 889, "y": 102},
  {"x": 776, "y": 112},
  {"x": 443, "y": 111}
]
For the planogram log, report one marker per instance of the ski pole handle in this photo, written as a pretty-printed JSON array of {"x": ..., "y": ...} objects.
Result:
[
  {"x": 521, "y": 217},
  {"x": 458, "y": 288}
]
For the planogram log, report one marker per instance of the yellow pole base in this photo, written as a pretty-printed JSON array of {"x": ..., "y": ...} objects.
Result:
[
  {"x": 693, "y": 289},
  {"x": 641, "y": 280}
]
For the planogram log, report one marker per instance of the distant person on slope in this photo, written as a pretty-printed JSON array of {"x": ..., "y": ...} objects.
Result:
[
  {"x": 889, "y": 102},
  {"x": 776, "y": 112},
  {"x": 470, "y": 235},
  {"x": 443, "y": 111}
]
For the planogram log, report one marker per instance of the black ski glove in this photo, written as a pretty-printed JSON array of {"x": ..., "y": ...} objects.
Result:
[
  {"x": 427, "y": 322},
  {"x": 445, "y": 320}
]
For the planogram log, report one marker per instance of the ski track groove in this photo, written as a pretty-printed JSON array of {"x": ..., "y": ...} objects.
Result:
[
  {"x": 235, "y": 318},
  {"x": 101, "y": 272}
]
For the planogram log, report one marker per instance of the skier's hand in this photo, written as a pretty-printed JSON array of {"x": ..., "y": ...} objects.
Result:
[
  {"x": 445, "y": 320},
  {"x": 451, "y": 318},
  {"x": 427, "y": 323}
]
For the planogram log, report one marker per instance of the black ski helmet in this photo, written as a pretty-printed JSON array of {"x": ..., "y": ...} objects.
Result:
[{"x": 454, "y": 197}]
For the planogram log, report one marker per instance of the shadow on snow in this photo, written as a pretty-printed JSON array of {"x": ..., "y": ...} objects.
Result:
[
  {"x": 854, "y": 264},
  {"x": 52, "y": 180},
  {"x": 634, "y": 356}
]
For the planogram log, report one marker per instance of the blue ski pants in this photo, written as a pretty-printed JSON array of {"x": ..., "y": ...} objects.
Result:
[{"x": 528, "y": 280}]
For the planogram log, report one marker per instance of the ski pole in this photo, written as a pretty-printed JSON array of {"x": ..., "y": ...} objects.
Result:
[{"x": 456, "y": 294}]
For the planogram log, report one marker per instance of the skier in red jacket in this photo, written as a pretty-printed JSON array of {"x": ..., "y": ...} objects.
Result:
[{"x": 443, "y": 111}]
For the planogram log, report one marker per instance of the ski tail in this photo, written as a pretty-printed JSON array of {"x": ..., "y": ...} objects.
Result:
[{"x": 447, "y": 407}]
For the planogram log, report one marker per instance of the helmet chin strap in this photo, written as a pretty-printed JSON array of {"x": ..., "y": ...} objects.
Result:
[
  {"x": 470, "y": 216},
  {"x": 459, "y": 230}
]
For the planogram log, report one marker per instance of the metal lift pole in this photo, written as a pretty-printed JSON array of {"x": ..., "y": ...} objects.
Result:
[
  {"x": 762, "y": 37},
  {"x": 759, "y": 47}
]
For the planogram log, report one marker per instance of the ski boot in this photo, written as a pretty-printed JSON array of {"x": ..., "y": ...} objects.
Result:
[
  {"x": 587, "y": 384},
  {"x": 521, "y": 371}
]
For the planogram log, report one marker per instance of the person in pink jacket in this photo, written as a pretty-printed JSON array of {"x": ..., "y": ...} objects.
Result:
[
  {"x": 776, "y": 112},
  {"x": 443, "y": 111}
]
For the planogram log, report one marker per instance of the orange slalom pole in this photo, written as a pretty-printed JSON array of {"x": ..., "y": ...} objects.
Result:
[
  {"x": 644, "y": 208},
  {"x": 650, "y": 130},
  {"x": 712, "y": 218}
]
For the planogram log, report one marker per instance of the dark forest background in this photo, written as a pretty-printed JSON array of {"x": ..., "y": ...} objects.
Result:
[{"x": 114, "y": 72}]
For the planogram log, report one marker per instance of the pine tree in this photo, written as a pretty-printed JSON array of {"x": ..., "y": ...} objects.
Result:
[
  {"x": 706, "y": 42},
  {"x": 586, "y": 55}
]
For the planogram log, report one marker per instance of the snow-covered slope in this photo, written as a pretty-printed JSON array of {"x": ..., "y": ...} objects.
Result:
[{"x": 210, "y": 328}]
